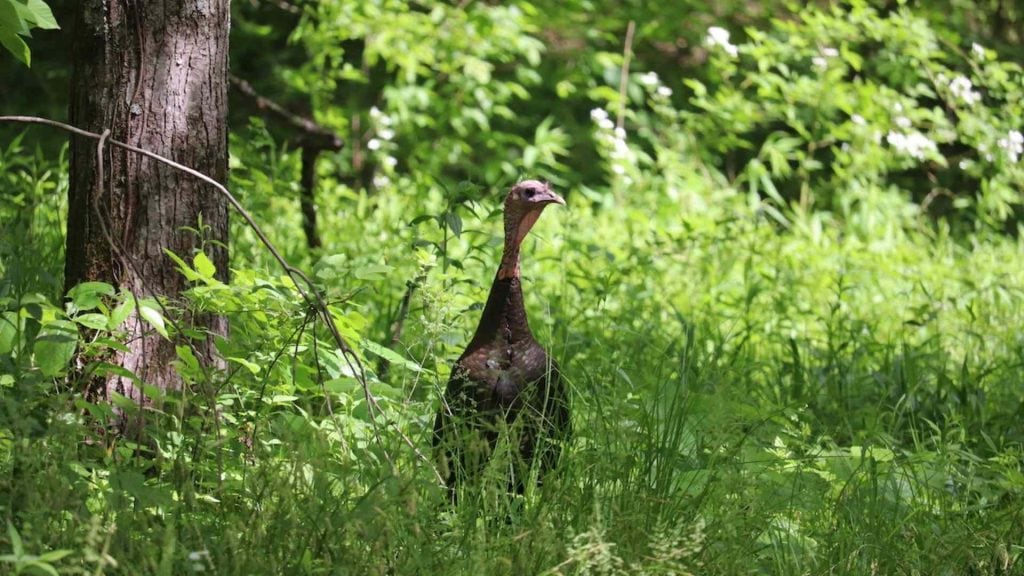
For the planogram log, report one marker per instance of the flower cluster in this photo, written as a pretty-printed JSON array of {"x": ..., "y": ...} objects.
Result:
[
  {"x": 384, "y": 131},
  {"x": 961, "y": 88},
  {"x": 613, "y": 141},
  {"x": 381, "y": 142},
  {"x": 600, "y": 117},
  {"x": 821, "y": 60},
  {"x": 1012, "y": 144},
  {"x": 720, "y": 37},
  {"x": 914, "y": 144},
  {"x": 651, "y": 81}
]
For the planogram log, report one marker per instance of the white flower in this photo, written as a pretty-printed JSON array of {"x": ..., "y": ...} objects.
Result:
[
  {"x": 390, "y": 161},
  {"x": 978, "y": 50},
  {"x": 386, "y": 133},
  {"x": 649, "y": 79},
  {"x": 897, "y": 107},
  {"x": 380, "y": 181},
  {"x": 829, "y": 52},
  {"x": 1013, "y": 144},
  {"x": 903, "y": 122},
  {"x": 373, "y": 144},
  {"x": 621, "y": 149},
  {"x": 960, "y": 87},
  {"x": 620, "y": 133},
  {"x": 618, "y": 169},
  {"x": 858, "y": 120},
  {"x": 599, "y": 116},
  {"x": 664, "y": 91},
  {"x": 819, "y": 62},
  {"x": 374, "y": 112},
  {"x": 720, "y": 37},
  {"x": 915, "y": 144}
]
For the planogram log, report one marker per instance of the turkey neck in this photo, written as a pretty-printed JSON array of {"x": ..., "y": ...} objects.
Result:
[{"x": 504, "y": 316}]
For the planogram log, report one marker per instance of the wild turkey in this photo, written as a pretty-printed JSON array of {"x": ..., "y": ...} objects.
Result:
[{"x": 504, "y": 382}]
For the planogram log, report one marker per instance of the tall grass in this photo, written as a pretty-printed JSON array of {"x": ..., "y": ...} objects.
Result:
[{"x": 819, "y": 399}]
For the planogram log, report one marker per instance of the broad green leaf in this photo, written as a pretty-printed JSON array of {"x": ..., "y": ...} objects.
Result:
[
  {"x": 121, "y": 312},
  {"x": 40, "y": 14},
  {"x": 108, "y": 369},
  {"x": 88, "y": 295},
  {"x": 454, "y": 222},
  {"x": 152, "y": 315},
  {"x": 391, "y": 356},
  {"x": 55, "y": 555},
  {"x": 93, "y": 320},
  {"x": 251, "y": 366},
  {"x": 9, "y": 17},
  {"x": 344, "y": 385},
  {"x": 55, "y": 346},
  {"x": 188, "y": 358},
  {"x": 124, "y": 403},
  {"x": 204, "y": 266},
  {"x": 10, "y": 325},
  {"x": 190, "y": 274}
]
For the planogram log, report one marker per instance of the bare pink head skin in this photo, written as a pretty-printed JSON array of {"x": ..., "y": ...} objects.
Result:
[{"x": 523, "y": 207}]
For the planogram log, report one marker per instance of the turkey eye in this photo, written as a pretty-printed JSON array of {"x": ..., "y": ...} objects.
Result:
[{"x": 530, "y": 193}]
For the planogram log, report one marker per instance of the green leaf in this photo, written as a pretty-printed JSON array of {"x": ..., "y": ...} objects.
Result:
[
  {"x": 10, "y": 325},
  {"x": 281, "y": 399},
  {"x": 93, "y": 320},
  {"x": 187, "y": 358},
  {"x": 88, "y": 295},
  {"x": 16, "y": 545},
  {"x": 108, "y": 369},
  {"x": 152, "y": 315},
  {"x": 190, "y": 274},
  {"x": 530, "y": 157},
  {"x": 54, "y": 347},
  {"x": 391, "y": 356},
  {"x": 204, "y": 266},
  {"x": 372, "y": 272},
  {"x": 454, "y": 223},
  {"x": 40, "y": 14},
  {"x": 343, "y": 385},
  {"x": 251, "y": 366},
  {"x": 120, "y": 314},
  {"x": 124, "y": 403},
  {"x": 55, "y": 555},
  {"x": 36, "y": 567}
]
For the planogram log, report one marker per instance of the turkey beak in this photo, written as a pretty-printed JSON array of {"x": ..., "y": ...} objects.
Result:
[{"x": 551, "y": 198}]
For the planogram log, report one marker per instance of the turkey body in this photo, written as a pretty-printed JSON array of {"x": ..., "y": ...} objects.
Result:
[{"x": 505, "y": 385}]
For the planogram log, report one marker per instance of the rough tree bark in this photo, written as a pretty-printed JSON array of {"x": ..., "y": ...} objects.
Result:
[{"x": 155, "y": 73}]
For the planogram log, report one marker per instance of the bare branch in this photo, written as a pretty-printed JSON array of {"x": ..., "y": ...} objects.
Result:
[{"x": 314, "y": 135}]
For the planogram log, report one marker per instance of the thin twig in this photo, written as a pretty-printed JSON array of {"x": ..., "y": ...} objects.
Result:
[
  {"x": 627, "y": 55},
  {"x": 298, "y": 277}
]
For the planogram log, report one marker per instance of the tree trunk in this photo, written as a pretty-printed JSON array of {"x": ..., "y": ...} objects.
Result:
[{"x": 155, "y": 73}]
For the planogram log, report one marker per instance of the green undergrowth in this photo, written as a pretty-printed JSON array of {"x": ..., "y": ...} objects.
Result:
[
  {"x": 786, "y": 296},
  {"x": 747, "y": 398}
]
